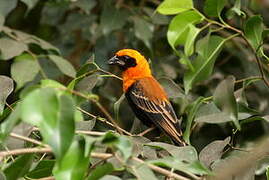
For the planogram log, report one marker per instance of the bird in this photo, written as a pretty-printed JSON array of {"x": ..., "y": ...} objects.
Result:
[{"x": 145, "y": 95}]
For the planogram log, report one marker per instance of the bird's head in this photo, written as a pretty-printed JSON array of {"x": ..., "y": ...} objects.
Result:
[{"x": 131, "y": 62}]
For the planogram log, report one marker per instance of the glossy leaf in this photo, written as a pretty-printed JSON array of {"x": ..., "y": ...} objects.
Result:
[
  {"x": 122, "y": 143},
  {"x": 87, "y": 83},
  {"x": 141, "y": 171},
  {"x": 191, "y": 111},
  {"x": 171, "y": 88},
  {"x": 213, "y": 8},
  {"x": 210, "y": 113},
  {"x": 182, "y": 25},
  {"x": 208, "y": 49},
  {"x": 10, "y": 122},
  {"x": 54, "y": 115},
  {"x": 194, "y": 167},
  {"x": 51, "y": 83},
  {"x": 186, "y": 153},
  {"x": 74, "y": 163},
  {"x": 112, "y": 18},
  {"x": 189, "y": 43},
  {"x": 174, "y": 6},
  {"x": 43, "y": 169},
  {"x": 253, "y": 31},
  {"x": 6, "y": 87},
  {"x": 224, "y": 98},
  {"x": 7, "y": 6},
  {"x": 143, "y": 31},
  {"x": 86, "y": 5},
  {"x": 30, "y": 3},
  {"x": 110, "y": 177},
  {"x": 101, "y": 171},
  {"x": 2, "y": 21},
  {"x": 24, "y": 69},
  {"x": 6, "y": 52},
  {"x": 64, "y": 65},
  {"x": 213, "y": 151},
  {"x": 19, "y": 167}
]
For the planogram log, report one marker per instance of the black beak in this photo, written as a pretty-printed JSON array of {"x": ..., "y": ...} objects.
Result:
[{"x": 116, "y": 61}]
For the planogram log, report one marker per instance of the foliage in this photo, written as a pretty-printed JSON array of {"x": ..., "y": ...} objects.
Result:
[{"x": 62, "y": 111}]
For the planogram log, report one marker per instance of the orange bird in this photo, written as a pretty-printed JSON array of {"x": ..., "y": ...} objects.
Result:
[{"x": 145, "y": 95}]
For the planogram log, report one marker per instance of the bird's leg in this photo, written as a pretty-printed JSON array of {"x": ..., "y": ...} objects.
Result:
[{"x": 146, "y": 131}]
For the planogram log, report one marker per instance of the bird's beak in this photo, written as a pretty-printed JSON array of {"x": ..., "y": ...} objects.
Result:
[{"x": 116, "y": 61}]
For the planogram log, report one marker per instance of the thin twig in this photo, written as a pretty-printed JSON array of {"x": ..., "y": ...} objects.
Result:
[
  {"x": 47, "y": 178},
  {"x": 103, "y": 120},
  {"x": 24, "y": 138},
  {"x": 10, "y": 107},
  {"x": 24, "y": 151},
  {"x": 98, "y": 104},
  {"x": 161, "y": 170},
  {"x": 94, "y": 155},
  {"x": 146, "y": 131},
  {"x": 92, "y": 133}
]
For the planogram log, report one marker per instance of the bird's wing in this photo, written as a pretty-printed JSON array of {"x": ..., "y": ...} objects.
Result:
[{"x": 149, "y": 98}]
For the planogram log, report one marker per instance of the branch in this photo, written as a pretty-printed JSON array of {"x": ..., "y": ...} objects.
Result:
[
  {"x": 106, "y": 113},
  {"x": 17, "y": 136},
  {"x": 94, "y": 155},
  {"x": 103, "y": 120}
]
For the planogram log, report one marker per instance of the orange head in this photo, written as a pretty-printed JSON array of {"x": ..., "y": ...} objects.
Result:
[{"x": 133, "y": 64}]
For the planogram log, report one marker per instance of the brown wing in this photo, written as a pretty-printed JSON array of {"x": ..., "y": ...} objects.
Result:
[{"x": 149, "y": 102}]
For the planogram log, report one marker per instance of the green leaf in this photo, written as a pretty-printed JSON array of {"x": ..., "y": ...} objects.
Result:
[
  {"x": 224, "y": 98},
  {"x": 87, "y": 84},
  {"x": 213, "y": 8},
  {"x": 75, "y": 162},
  {"x": 122, "y": 143},
  {"x": 64, "y": 65},
  {"x": 10, "y": 122},
  {"x": 189, "y": 43},
  {"x": 210, "y": 113},
  {"x": 213, "y": 151},
  {"x": 54, "y": 115},
  {"x": 182, "y": 25},
  {"x": 208, "y": 49},
  {"x": 171, "y": 88},
  {"x": 7, "y": 6},
  {"x": 112, "y": 18},
  {"x": 30, "y": 3},
  {"x": 267, "y": 173},
  {"x": 19, "y": 167},
  {"x": 85, "y": 125},
  {"x": 6, "y": 53},
  {"x": 24, "y": 69},
  {"x": 45, "y": 83},
  {"x": 110, "y": 177},
  {"x": 42, "y": 169},
  {"x": 141, "y": 171},
  {"x": 174, "y": 6},
  {"x": 86, "y": 5},
  {"x": 143, "y": 30},
  {"x": 186, "y": 153},
  {"x": 253, "y": 31},
  {"x": 237, "y": 9},
  {"x": 194, "y": 167},
  {"x": 117, "y": 106},
  {"x": 101, "y": 171},
  {"x": 2, "y": 176},
  {"x": 191, "y": 111},
  {"x": 2, "y": 21},
  {"x": 6, "y": 87}
]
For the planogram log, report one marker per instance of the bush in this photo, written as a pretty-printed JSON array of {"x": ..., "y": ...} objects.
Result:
[{"x": 62, "y": 111}]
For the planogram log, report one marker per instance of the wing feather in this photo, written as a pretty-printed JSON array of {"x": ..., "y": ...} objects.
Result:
[{"x": 157, "y": 110}]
